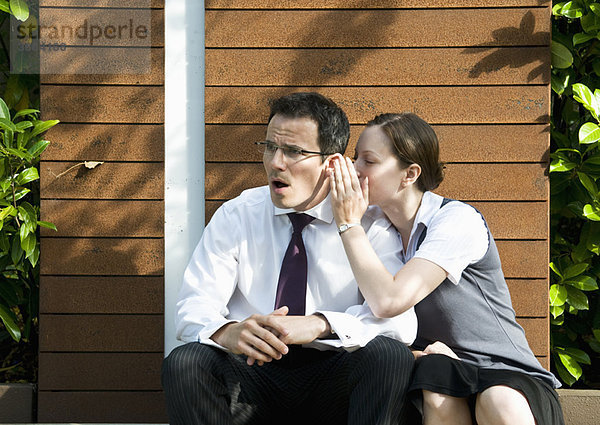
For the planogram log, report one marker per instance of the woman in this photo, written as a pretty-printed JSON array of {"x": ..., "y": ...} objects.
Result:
[{"x": 475, "y": 363}]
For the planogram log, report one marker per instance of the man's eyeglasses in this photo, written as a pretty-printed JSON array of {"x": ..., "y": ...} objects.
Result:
[{"x": 292, "y": 153}]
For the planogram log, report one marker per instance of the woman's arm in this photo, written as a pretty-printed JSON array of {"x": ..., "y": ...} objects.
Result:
[
  {"x": 389, "y": 295},
  {"x": 386, "y": 294}
]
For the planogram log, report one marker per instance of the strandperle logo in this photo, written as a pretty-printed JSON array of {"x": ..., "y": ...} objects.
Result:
[
  {"x": 80, "y": 40},
  {"x": 65, "y": 34}
]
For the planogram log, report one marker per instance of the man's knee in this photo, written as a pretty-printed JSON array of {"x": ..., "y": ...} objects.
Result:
[
  {"x": 188, "y": 360},
  {"x": 387, "y": 351}
]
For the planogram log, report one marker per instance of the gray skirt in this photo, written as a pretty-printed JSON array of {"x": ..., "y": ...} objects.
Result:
[{"x": 442, "y": 374}]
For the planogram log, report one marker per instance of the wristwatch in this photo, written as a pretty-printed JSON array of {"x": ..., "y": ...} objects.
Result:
[{"x": 346, "y": 226}]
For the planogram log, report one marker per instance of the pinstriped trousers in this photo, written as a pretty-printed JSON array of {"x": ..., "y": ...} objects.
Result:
[{"x": 205, "y": 385}]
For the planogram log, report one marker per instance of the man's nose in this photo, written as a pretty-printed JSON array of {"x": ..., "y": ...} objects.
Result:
[{"x": 278, "y": 160}]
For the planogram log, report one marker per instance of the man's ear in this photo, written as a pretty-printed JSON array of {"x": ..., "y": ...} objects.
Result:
[{"x": 413, "y": 171}]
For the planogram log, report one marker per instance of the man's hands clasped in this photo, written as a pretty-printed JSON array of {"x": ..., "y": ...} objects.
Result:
[{"x": 263, "y": 338}]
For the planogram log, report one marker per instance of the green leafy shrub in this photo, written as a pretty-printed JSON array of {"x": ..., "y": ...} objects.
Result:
[
  {"x": 21, "y": 144},
  {"x": 575, "y": 198}
]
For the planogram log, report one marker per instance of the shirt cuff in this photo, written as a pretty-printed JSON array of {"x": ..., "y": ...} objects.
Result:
[
  {"x": 349, "y": 330},
  {"x": 209, "y": 330}
]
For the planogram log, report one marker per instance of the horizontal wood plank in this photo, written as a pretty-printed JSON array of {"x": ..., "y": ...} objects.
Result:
[
  {"x": 99, "y": 371},
  {"x": 497, "y": 182},
  {"x": 436, "y": 105},
  {"x": 515, "y": 220},
  {"x": 524, "y": 259},
  {"x": 385, "y": 67},
  {"x": 104, "y": 333},
  {"x": 529, "y": 297},
  {"x": 506, "y": 220},
  {"x": 95, "y": 218},
  {"x": 101, "y": 27},
  {"x": 458, "y": 143},
  {"x": 108, "y": 257},
  {"x": 105, "y": 65},
  {"x": 490, "y": 182},
  {"x": 361, "y": 4},
  {"x": 102, "y": 407},
  {"x": 103, "y": 104},
  {"x": 106, "y": 181},
  {"x": 537, "y": 332},
  {"x": 102, "y": 294},
  {"x": 378, "y": 28},
  {"x": 105, "y": 142},
  {"x": 103, "y": 3}
]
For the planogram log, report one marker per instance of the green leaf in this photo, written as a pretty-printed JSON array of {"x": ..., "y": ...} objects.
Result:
[
  {"x": 582, "y": 37},
  {"x": 590, "y": 22},
  {"x": 557, "y": 311},
  {"x": 558, "y": 295},
  {"x": 42, "y": 126},
  {"x": 560, "y": 83},
  {"x": 561, "y": 164},
  {"x": 19, "y": 9},
  {"x": 23, "y": 112},
  {"x": 583, "y": 282},
  {"x": 589, "y": 133},
  {"x": 19, "y": 154},
  {"x": 28, "y": 244},
  {"x": 591, "y": 212},
  {"x": 4, "y": 6},
  {"x": 574, "y": 270},
  {"x": 577, "y": 299},
  {"x": 556, "y": 9},
  {"x": 556, "y": 270},
  {"x": 7, "y": 124},
  {"x": 19, "y": 194},
  {"x": 47, "y": 225},
  {"x": 4, "y": 111},
  {"x": 589, "y": 184},
  {"x": 34, "y": 256},
  {"x": 27, "y": 175},
  {"x": 10, "y": 323},
  {"x": 595, "y": 7},
  {"x": 561, "y": 56},
  {"x": 37, "y": 149},
  {"x": 570, "y": 364},
  {"x": 5, "y": 212},
  {"x": 578, "y": 355},
  {"x": 559, "y": 319},
  {"x": 23, "y": 125},
  {"x": 596, "y": 333},
  {"x": 583, "y": 95},
  {"x": 16, "y": 252},
  {"x": 572, "y": 10}
]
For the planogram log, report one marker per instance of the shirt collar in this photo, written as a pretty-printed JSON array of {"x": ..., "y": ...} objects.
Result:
[
  {"x": 321, "y": 211},
  {"x": 430, "y": 204}
]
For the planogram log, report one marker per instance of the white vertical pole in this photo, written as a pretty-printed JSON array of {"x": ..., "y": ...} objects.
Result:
[{"x": 184, "y": 145}]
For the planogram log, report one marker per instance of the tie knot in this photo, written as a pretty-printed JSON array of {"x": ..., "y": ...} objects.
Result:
[{"x": 299, "y": 221}]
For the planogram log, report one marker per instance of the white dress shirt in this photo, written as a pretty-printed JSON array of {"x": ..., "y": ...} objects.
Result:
[
  {"x": 456, "y": 235},
  {"x": 234, "y": 273}
]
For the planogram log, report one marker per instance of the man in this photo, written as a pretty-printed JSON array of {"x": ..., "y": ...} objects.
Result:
[{"x": 276, "y": 328}]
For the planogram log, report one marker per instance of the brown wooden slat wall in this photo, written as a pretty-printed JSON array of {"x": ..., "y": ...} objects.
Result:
[
  {"x": 477, "y": 70},
  {"x": 102, "y": 283}
]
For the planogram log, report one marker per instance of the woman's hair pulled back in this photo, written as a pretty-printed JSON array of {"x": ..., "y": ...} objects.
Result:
[{"x": 414, "y": 142}]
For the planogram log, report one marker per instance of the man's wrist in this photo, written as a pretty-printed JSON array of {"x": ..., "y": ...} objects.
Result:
[{"x": 327, "y": 331}]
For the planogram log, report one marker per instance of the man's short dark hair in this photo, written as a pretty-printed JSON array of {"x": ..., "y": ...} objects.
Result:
[{"x": 334, "y": 129}]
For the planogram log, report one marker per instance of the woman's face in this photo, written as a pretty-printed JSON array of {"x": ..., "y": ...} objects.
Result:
[{"x": 375, "y": 159}]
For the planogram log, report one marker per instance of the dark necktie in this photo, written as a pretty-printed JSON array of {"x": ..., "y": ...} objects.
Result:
[{"x": 291, "y": 288}]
